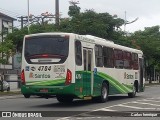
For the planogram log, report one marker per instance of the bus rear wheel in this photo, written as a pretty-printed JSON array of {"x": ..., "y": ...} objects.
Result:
[
  {"x": 26, "y": 95},
  {"x": 64, "y": 99},
  {"x": 132, "y": 94}
]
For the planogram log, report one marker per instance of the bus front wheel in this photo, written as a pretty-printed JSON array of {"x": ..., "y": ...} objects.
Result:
[
  {"x": 104, "y": 94},
  {"x": 64, "y": 98}
]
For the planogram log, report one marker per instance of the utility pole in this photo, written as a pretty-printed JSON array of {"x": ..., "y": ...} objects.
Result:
[
  {"x": 28, "y": 16},
  {"x": 21, "y": 22},
  {"x": 40, "y": 19},
  {"x": 57, "y": 12}
]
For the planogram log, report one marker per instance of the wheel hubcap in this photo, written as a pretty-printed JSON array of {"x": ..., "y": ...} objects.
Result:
[
  {"x": 104, "y": 93},
  {"x": 134, "y": 90}
]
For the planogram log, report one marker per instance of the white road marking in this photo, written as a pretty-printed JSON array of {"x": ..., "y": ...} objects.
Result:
[
  {"x": 145, "y": 103},
  {"x": 105, "y": 109},
  {"x": 69, "y": 118},
  {"x": 149, "y": 100},
  {"x": 153, "y": 98},
  {"x": 79, "y": 118},
  {"x": 122, "y": 105}
]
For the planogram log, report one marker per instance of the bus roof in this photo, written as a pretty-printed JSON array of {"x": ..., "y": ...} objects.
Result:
[
  {"x": 91, "y": 39},
  {"x": 108, "y": 43}
]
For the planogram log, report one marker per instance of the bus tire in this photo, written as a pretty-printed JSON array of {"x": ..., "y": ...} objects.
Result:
[
  {"x": 132, "y": 94},
  {"x": 26, "y": 95},
  {"x": 104, "y": 93},
  {"x": 64, "y": 99}
]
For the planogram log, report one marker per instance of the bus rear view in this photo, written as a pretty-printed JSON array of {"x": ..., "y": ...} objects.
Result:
[{"x": 45, "y": 71}]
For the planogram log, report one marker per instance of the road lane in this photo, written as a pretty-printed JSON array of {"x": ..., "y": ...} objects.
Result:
[{"x": 146, "y": 101}]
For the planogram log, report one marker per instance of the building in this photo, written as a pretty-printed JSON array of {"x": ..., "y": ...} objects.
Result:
[{"x": 6, "y": 26}]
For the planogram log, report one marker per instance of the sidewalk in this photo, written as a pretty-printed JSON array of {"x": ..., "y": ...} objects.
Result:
[
  {"x": 10, "y": 96},
  {"x": 153, "y": 82},
  {"x": 11, "y": 92},
  {"x": 16, "y": 93}
]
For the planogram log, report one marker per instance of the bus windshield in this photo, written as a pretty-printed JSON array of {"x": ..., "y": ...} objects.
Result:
[{"x": 46, "y": 47}]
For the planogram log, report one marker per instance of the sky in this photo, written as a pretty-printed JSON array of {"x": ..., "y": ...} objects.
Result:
[{"x": 147, "y": 11}]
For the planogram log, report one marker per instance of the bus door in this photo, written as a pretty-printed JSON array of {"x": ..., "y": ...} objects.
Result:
[
  {"x": 141, "y": 74},
  {"x": 88, "y": 72}
]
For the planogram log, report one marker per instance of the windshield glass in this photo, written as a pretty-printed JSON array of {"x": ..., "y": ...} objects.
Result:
[{"x": 46, "y": 47}]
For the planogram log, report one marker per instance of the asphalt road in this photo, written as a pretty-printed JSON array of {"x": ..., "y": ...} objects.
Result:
[{"x": 145, "y": 105}]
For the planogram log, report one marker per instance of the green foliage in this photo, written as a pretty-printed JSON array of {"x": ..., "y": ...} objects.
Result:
[
  {"x": 101, "y": 25},
  {"x": 149, "y": 42},
  {"x": 6, "y": 49},
  {"x": 89, "y": 22},
  {"x": 17, "y": 35},
  {"x": 73, "y": 10}
]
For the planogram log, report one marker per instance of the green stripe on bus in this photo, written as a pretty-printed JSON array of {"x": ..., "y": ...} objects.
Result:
[
  {"x": 122, "y": 88},
  {"x": 46, "y": 82}
]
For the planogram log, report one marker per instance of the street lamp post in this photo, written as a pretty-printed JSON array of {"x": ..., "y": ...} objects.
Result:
[
  {"x": 125, "y": 21},
  {"x": 128, "y": 22}
]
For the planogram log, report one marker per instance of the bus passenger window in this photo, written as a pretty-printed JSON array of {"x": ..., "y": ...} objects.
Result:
[
  {"x": 135, "y": 61},
  {"x": 98, "y": 56},
  {"x": 108, "y": 59},
  {"x": 127, "y": 60},
  {"x": 118, "y": 55},
  {"x": 78, "y": 53}
]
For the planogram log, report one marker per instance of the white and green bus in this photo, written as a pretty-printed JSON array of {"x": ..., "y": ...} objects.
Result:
[{"x": 68, "y": 66}]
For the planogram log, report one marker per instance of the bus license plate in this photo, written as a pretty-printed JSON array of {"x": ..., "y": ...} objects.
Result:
[{"x": 44, "y": 90}]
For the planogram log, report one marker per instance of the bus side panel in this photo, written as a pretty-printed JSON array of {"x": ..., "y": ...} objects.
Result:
[
  {"x": 79, "y": 84},
  {"x": 115, "y": 87}
]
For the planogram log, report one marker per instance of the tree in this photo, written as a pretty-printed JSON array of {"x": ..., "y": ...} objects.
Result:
[
  {"x": 6, "y": 47},
  {"x": 73, "y": 9},
  {"x": 89, "y": 22},
  {"x": 149, "y": 42},
  {"x": 18, "y": 34}
]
